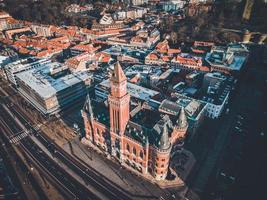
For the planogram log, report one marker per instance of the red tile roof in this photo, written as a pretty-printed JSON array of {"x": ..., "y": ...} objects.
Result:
[
  {"x": 173, "y": 51},
  {"x": 86, "y": 47}
]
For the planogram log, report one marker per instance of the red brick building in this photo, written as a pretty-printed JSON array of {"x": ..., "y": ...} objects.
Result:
[{"x": 142, "y": 139}]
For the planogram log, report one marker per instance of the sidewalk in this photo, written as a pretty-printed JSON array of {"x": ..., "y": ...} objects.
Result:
[{"x": 130, "y": 182}]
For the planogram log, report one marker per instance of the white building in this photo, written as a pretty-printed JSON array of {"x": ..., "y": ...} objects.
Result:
[
  {"x": 139, "y": 92},
  {"x": 217, "y": 88},
  {"x": 42, "y": 30},
  {"x": 139, "y": 2},
  {"x": 52, "y": 87},
  {"x": 4, "y": 60},
  {"x": 214, "y": 110},
  {"x": 106, "y": 20},
  {"x": 23, "y": 65},
  {"x": 133, "y": 12}
]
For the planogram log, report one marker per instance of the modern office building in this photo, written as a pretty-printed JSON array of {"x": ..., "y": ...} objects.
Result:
[
  {"x": 12, "y": 69},
  {"x": 52, "y": 87}
]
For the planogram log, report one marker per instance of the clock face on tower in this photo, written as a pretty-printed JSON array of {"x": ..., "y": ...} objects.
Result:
[{"x": 118, "y": 89}]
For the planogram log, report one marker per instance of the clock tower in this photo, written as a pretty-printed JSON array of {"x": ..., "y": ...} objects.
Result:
[{"x": 119, "y": 101}]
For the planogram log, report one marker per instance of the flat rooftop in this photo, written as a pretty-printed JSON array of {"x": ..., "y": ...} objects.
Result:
[
  {"x": 40, "y": 80},
  {"x": 232, "y": 56},
  {"x": 24, "y": 64},
  {"x": 143, "y": 69},
  {"x": 236, "y": 64},
  {"x": 136, "y": 91}
]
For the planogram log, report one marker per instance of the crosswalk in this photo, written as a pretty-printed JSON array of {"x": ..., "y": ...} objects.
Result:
[
  {"x": 21, "y": 135},
  {"x": 18, "y": 137}
]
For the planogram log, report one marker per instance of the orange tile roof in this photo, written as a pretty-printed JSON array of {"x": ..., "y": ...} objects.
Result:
[
  {"x": 204, "y": 68},
  {"x": 32, "y": 53},
  {"x": 6, "y": 41},
  {"x": 69, "y": 31},
  {"x": 184, "y": 60},
  {"x": 103, "y": 57},
  {"x": 162, "y": 45},
  {"x": 11, "y": 20},
  {"x": 152, "y": 56},
  {"x": 86, "y": 30},
  {"x": 42, "y": 53},
  {"x": 20, "y": 43},
  {"x": 165, "y": 58},
  {"x": 86, "y": 47},
  {"x": 23, "y": 50},
  {"x": 172, "y": 51},
  {"x": 135, "y": 79},
  {"x": 53, "y": 29},
  {"x": 74, "y": 61}
]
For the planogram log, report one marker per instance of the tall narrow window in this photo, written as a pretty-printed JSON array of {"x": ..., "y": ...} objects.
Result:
[
  {"x": 134, "y": 151},
  {"x": 141, "y": 154}
]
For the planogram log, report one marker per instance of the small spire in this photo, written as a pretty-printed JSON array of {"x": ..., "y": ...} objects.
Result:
[
  {"x": 164, "y": 140},
  {"x": 182, "y": 120},
  {"x": 89, "y": 106},
  {"x": 118, "y": 74},
  {"x": 147, "y": 141}
]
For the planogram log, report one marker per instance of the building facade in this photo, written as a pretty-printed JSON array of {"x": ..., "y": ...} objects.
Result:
[
  {"x": 140, "y": 139},
  {"x": 51, "y": 88},
  {"x": 217, "y": 89}
]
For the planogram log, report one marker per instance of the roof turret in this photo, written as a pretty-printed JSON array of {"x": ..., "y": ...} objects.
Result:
[
  {"x": 182, "y": 119},
  {"x": 164, "y": 140}
]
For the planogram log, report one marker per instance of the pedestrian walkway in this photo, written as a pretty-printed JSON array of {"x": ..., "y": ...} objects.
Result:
[
  {"x": 15, "y": 139},
  {"x": 136, "y": 186}
]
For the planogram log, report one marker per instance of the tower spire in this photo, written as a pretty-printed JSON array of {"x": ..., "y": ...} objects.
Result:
[
  {"x": 89, "y": 106},
  {"x": 164, "y": 140},
  {"x": 147, "y": 141},
  {"x": 118, "y": 74},
  {"x": 182, "y": 119}
]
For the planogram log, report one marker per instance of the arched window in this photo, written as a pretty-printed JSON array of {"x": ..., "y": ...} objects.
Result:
[
  {"x": 141, "y": 154},
  {"x": 128, "y": 147},
  {"x": 134, "y": 151},
  {"x": 117, "y": 144}
]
